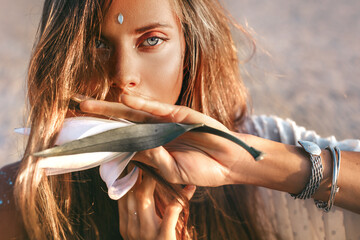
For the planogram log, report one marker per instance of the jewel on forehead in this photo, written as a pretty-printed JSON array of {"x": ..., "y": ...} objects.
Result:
[{"x": 120, "y": 18}]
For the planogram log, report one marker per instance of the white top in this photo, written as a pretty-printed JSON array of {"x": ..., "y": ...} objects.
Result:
[{"x": 300, "y": 219}]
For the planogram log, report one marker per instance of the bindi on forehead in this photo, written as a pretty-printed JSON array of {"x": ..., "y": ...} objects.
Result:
[
  {"x": 133, "y": 17},
  {"x": 120, "y": 18},
  {"x": 121, "y": 11}
]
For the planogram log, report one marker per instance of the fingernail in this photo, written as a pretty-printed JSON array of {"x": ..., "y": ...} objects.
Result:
[{"x": 190, "y": 187}]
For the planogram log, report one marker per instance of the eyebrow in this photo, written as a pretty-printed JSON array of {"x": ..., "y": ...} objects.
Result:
[{"x": 151, "y": 26}]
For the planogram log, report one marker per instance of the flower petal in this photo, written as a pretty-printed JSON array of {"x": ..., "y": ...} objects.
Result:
[
  {"x": 76, "y": 162},
  {"x": 111, "y": 170},
  {"x": 80, "y": 127},
  {"x": 121, "y": 186}
]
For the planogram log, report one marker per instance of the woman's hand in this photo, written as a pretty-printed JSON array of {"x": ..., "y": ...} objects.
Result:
[
  {"x": 207, "y": 160},
  {"x": 138, "y": 218},
  {"x": 194, "y": 158}
]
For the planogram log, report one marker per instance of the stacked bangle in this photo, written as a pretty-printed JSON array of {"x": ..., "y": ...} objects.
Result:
[
  {"x": 317, "y": 174},
  {"x": 326, "y": 206},
  {"x": 316, "y": 170}
]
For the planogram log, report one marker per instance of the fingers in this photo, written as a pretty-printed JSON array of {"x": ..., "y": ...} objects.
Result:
[
  {"x": 172, "y": 213},
  {"x": 149, "y": 221},
  {"x": 123, "y": 215},
  {"x": 137, "y": 215},
  {"x": 117, "y": 110},
  {"x": 137, "y": 109},
  {"x": 162, "y": 160},
  {"x": 165, "y": 112},
  {"x": 138, "y": 218},
  {"x": 152, "y": 107},
  {"x": 189, "y": 191},
  {"x": 170, "y": 113},
  {"x": 132, "y": 108},
  {"x": 132, "y": 216}
]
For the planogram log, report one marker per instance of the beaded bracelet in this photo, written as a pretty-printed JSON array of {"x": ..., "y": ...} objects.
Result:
[{"x": 326, "y": 206}]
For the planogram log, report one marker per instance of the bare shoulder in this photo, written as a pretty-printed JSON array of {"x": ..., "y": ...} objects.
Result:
[{"x": 11, "y": 225}]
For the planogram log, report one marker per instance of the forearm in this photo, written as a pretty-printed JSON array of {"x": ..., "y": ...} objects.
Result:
[{"x": 287, "y": 168}]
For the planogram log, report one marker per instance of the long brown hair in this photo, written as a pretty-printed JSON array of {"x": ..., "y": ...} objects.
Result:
[
  {"x": 213, "y": 86},
  {"x": 212, "y": 82},
  {"x": 63, "y": 61}
]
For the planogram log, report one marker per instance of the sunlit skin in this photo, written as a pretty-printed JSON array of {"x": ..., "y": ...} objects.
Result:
[
  {"x": 144, "y": 57},
  {"x": 145, "y": 52},
  {"x": 147, "y": 65}
]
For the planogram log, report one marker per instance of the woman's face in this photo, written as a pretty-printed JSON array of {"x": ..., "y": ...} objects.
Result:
[{"x": 145, "y": 52}]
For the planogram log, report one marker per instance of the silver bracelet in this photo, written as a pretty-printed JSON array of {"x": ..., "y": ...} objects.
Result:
[
  {"x": 316, "y": 170},
  {"x": 326, "y": 206}
]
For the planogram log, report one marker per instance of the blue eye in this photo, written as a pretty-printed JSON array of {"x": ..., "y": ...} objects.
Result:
[{"x": 152, "y": 41}]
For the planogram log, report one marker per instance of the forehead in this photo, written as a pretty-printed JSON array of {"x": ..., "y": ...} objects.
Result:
[{"x": 139, "y": 12}]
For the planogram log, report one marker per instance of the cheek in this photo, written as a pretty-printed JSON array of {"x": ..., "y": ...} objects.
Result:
[{"x": 165, "y": 74}]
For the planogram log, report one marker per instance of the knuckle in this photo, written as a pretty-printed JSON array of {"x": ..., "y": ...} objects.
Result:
[
  {"x": 154, "y": 154},
  {"x": 174, "y": 209},
  {"x": 181, "y": 113},
  {"x": 131, "y": 235},
  {"x": 122, "y": 230},
  {"x": 140, "y": 194},
  {"x": 173, "y": 179},
  {"x": 149, "y": 154},
  {"x": 145, "y": 234},
  {"x": 143, "y": 201},
  {"x": 128, "y": 115},
  {"x": 87, "y": 106},
  {"x": 149, "y": 118},
  {"x": 181, "y": 109}
]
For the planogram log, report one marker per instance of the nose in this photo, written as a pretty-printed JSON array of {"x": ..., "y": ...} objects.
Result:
[{"x": 125, "y": 73}]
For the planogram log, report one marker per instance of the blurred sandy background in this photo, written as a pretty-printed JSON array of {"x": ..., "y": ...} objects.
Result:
[{"x": 312, "y": 75}]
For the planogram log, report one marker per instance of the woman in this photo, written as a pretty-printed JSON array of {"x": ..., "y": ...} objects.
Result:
[{"x": 143, "y": 57}]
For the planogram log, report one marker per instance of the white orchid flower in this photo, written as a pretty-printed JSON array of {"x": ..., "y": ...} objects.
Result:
[{"x": 112, "y": 164}]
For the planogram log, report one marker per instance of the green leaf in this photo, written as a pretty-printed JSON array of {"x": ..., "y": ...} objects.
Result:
[{"x": 137, "y": 137}]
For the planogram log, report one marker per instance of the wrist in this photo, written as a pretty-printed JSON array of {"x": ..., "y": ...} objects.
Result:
[
  {"x": 284, "y": 167},
  {"x": 269, "y": 172}
]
